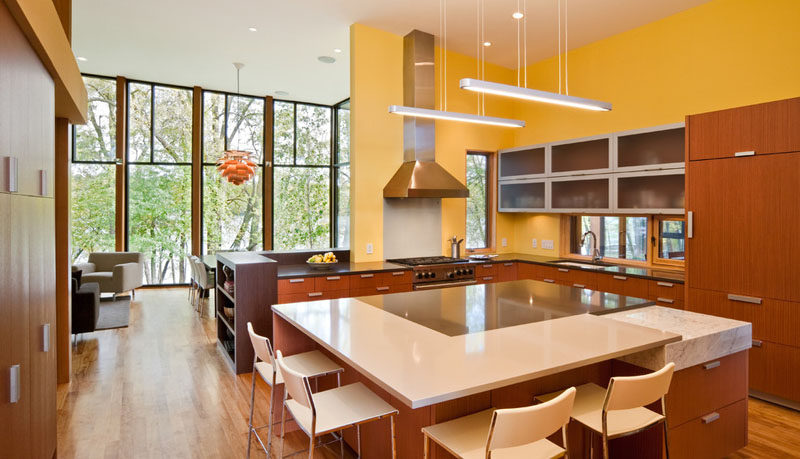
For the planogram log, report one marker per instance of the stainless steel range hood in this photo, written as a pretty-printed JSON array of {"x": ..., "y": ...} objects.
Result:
[{"x": 420, "y": 176}]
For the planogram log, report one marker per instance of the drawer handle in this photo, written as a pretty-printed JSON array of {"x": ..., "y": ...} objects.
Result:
[
  {"x": 744, "y": 299},
  {"x": 709, "y": 418},
  {"x": 665, "y": 284},
  {"x": 487, "y": 278},
  {"x": 620, "y": 278},
  {"x": 46, "y": 338},
  {"x": 367, "y": 276},
  {"x": 508, "y": 264},
  {"x": 757, "y": 343},
  {"x": 579, "y": 285},
  {"x": 488, "y": 266},
  {"x": 381, "y": 289},
  {"x": 739, "y": 154},
  {"x": 563, "y": 270},
  {"x": 333, "y": 278},
  {"x": 296, "y": 281},
  {"x": 11, "y": 176},
  {"x": 398, "y": 273},
  {"x": 13, "y": 384},
  {"x": 711, "y": 365},
  {"x": 315, "y": 294},
  {"x": 665, "y": 300},
  {"x": 549, "y": 281}
]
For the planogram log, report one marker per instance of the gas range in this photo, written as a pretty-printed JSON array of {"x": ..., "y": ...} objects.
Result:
[{"x": 438, "y": 272}]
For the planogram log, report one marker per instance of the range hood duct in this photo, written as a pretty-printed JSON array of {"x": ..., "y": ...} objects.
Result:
[{"x": 420, "y": 176}]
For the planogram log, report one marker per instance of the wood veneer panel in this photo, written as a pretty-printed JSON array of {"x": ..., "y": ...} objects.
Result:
[
  {"x": 394, "y": 277},
  {"x": 507, "y": 271},
  {"x": 745, "y": 216},
  {"x": 485, "y": 269},
  {"x": 331, "y": 283},
  {"x": 380, "y": 290},
  {"x": 764, "y": 128},
  {"x": 623, "y": 285},
  {"x": 662, "y": 289},
  {"x": 62, "y": 326},
  {"x": 714, "y": 439},
  {"x": 197, "y": 170},
  {"x": 120, "y": 214},
  {"x": 269, "y": 154},
  {"x": 775, "y": 369},
  {"x": 299, "y": 285}
]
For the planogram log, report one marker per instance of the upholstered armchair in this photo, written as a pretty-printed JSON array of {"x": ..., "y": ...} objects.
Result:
[{"x": 116, "y": 272}]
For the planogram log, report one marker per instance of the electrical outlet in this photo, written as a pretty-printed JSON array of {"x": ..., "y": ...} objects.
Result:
[
  {"x": 533, "y": 243},
  {"x": 369, "y": 247},
  {"x": 505, "y": 242},
  {"x": 547, "y": 244}
]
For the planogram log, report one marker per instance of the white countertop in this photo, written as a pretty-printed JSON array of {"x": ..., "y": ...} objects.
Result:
[
  {"x": 705, "y": 337},
  {"x": 422, "y": 367}
]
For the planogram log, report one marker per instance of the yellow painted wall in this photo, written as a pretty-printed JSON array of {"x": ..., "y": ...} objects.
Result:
[
  {"x": 377, "y": 136},
  {"x": 725, "y": 53}
]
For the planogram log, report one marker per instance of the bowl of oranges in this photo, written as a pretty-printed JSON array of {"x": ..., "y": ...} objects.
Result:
[{"x": 322, "y": 260}]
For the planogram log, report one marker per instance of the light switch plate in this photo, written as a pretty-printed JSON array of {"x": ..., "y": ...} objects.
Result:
[
  {"x": 547, "y": 244},
  {"x": 533, "y": 243},
  {"x": 505, "y": 242},
  {"x": 369, "y": 247}
]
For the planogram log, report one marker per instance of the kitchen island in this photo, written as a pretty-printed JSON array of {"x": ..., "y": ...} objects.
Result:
[{"x": 440, "y": 354}]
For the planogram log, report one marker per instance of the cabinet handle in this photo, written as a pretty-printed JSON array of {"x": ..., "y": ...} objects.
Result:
[
  {"x": 488, "y": 266},
  {"x": 709, "y": 418},
  {"x": 333, "y": 278},
  {"x": 690, "y": 224},
  {"x": 665, "y": 284},
  {"x": 508, "y": 264},
  {"x": 739, "y": 154},
  {"x": 757, "y": 343},
  {"x": 488, "y": 278},
  {"x": 46, "y": 338},
  {"x": 563, "y": 270},
  {"x": 665, "y": 300},
  {"x": 711, "y": 365},
  {"x": 314, "y": 294},
  {"x": 398, "y": 273},
  {"x": 744, "y": 299},
  {"x": 13, "y": 384},
  {"x": 42, "y": 182},
  {"x": 620, "y": 278},
  {"x": 296, "y": 281},
  {"x": 381, "y": 289},
  {"x": 579, "y": 285},
  {"x": 549, "y": 281},
  {"x": 367, "y": 276},
  {"x": 11, "y": 174}
]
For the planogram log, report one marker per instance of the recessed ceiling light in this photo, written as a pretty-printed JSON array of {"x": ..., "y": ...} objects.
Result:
[
  {"x": 281, "y": 93},
  {"x": 81, "y": 58},
  {"x": 337, "y": 50},
  {"x": 487, "y": 43},
  {"x": 252, "y": 29},
  {"x": 326, "y": 59},
  {"x": 517, "y": 15}
]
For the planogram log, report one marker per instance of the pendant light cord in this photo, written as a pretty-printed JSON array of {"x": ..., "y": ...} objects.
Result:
[
  {"x": 559, "y": 46},
  {"x": 518, "y": 48},
  {"x": 525, "y": 39},
  {"x": 566, "y": 46}
]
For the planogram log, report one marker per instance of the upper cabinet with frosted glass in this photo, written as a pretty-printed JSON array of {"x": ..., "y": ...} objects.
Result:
[
  {"x": 653, "y": 148},
  {"x": 523, "y": 162}
]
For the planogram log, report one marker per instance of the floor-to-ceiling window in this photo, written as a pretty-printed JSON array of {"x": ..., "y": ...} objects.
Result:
[
  {"x": 160, "y": 180},
  {"x": 341, "y": 173},
  {"x": 232, "y": 215},
  {"x": 93, "y": 173}
]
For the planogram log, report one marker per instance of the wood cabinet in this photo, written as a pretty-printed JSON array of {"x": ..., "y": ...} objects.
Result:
[
  {"x": 343, "y": 286},
  {"x": 522, "y": 162},
  {"x": 331, "y": 283},
  {"x": 666, "y": 293},
  {"x": 716, "y": 434},
  {"x": 624, "y": 285},
  {"x": 379, "y": 290},
  {"x": 507, "y": 271},
  {"x": 762, "y": 129},
  {"x": 775, "y": 369}
]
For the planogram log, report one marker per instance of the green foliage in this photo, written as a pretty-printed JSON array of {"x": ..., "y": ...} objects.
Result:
[
  {"x": 477, "y": 178},
  {"x": 92, "y": 210}
]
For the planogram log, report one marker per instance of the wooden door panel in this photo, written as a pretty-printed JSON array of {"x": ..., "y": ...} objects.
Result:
[
  {"x": 722, "y": 432},
  {"x": 775, "y": 369},
  {"x": 763, "y": 128},
  {"x": 507, "y": 271},
  {"x": 745, "y": 212},
  {"x": 298, "y": 285}
]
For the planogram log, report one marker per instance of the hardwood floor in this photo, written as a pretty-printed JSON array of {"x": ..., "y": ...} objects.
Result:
[{"x": 159, "y": 389}]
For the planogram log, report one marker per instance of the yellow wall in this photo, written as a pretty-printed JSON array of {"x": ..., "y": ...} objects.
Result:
[
  {"x": 725, "y": 53},
  {"x": 377, "y": 136}
]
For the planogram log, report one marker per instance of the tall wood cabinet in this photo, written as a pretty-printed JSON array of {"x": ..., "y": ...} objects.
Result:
[
  {"x": 27, "y": 249},
  {"x": 743, "y": 247}
]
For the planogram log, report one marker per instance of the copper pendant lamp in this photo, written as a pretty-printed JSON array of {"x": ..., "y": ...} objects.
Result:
[{"x": 236, "y": 166}]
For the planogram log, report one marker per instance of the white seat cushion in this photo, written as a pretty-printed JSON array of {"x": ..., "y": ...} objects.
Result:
[
  {"x": 588, "y": 410},
  {"x": 466, "y": 437},
  {"x": 312, "y": 364},
  {"x": 340, "y": 407}
]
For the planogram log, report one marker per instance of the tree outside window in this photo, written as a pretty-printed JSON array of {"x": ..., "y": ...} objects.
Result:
[{"x": 478, "y": 201}]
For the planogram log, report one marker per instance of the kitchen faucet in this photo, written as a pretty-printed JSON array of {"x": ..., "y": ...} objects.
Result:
[{"x": 595, "y": 252}]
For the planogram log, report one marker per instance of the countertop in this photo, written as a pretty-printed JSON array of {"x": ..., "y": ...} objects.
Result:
[
  {"x": 421, "y": 366},
  {"x": 704, "y": 337},
  {"x": 302, "y": 270}
]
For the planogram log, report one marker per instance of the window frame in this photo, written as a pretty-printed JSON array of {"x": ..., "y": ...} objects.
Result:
[
  {"x": 657, "y": 260},
  {"x": 491, "y": 213},
  {"x": 336, "y": 165}
]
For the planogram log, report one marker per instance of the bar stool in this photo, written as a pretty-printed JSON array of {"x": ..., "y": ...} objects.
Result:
[
  {"x": 330, "y": 410},
  {"x": 620, "y": 411},
  {"x": 519, "y": 432},
  {"x": 313, "y": 364}
]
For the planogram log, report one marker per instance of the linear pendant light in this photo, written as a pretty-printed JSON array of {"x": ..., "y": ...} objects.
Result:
[
  {"x": 454, "y": 116},
  {"x": 517, "y": 92}
]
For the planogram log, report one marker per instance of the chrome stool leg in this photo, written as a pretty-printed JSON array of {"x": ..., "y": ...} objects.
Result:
[{"x": 252, "y": 406}]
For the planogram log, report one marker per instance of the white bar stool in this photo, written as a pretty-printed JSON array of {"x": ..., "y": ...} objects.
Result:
[
  {"x": 330, "y": 410},
  {"x": 620, "y": 411},
  {"x": 518, "y": 432},
  {"x": 313, "y": 364}
]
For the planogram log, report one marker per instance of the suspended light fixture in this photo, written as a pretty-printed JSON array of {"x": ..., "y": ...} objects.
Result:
[
  {"x": 523, "y": 92},
  {"x": 236, "y": 166},
  {"x": 480, "y": 118}
]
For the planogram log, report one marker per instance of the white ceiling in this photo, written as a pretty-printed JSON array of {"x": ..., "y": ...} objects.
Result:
[{"x": 195, "y": 42}]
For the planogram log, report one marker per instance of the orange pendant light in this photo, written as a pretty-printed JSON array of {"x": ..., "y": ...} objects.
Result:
[{"x": 236, "y": 166}]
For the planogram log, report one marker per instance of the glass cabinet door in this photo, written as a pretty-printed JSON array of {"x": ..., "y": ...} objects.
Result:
[
  {"x": 522, "y": 196},
  {"x": 581, "y": 193},
  {"x": 522, "y": 163},
  {"x": 657, "y": 193},
  {"x": 654, "y": 148},
  {"x": 586, "y": 155}
]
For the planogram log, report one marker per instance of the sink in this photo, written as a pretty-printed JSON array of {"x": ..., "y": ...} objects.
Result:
[{"x": 584, "y": 265}]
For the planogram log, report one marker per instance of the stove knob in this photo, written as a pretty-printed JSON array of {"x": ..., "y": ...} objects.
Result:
[
  {"x": 433, "y": 275},
  {"x": 451, "y": 275},
  {"x": 427, "y": 275},
  {"x": 469, "y": 271},
  {"x": 419, "y": 275}
]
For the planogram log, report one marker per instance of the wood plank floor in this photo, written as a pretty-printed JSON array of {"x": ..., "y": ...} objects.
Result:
[{"x": 159, "y": 389}]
